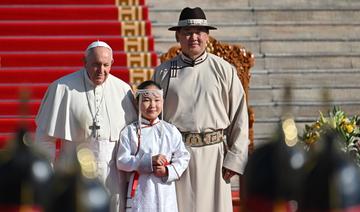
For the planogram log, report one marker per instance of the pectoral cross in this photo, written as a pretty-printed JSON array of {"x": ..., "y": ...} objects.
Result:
[{"x": 94, "y": 129}]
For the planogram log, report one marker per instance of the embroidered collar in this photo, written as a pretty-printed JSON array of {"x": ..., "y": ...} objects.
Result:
[
  {"x": 192, "y": 62},
  {"x": 147, "y": 123}
]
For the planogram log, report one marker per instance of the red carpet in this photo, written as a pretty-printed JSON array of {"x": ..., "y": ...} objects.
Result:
[
  {"x": 74, "y": 43},
  {"x": 66, "y": 59},
  {"x": 15, "y": 108},
  {"x": 91, "y": 27},
  {"x": 69, "y": 12},
  {"x": 43, "y": 40},
  {"x": 70, "y": 2},
  {"x": 9, "y": 125},
  {"x": 19, "y": 77},
  {"x": 14, "y": 92}
]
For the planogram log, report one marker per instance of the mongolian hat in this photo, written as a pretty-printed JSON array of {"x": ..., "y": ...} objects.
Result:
[{"x": 192, "y": 17}]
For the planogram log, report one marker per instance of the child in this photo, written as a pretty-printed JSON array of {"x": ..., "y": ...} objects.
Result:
[{"x": 155, "y": 154}]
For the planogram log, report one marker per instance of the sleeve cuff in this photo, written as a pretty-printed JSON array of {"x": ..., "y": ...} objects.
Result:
[
  {"x": 235, "y": 162},
  {"x": 172, "y": 176},
  {"x": 145, "y": 165}
]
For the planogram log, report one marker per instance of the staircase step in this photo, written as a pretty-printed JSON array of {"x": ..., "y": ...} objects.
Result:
[
  {"x": 308, "y": 61},
  {"x": 251, "y": 44},
  {"x": 74, "y": 43},
  {"x": 196, "y": 3},
  {"x": 308, "y": 94},
  {"x": 72, "y": 58},
  {"x": 80, "y": 28},
  {"x": 16, "y": 91},
  {"x": 269, "y": 45},
  {"x": 306, "y": 3},
  {"x": 306, "y": 14},
  {"x": 274, "y": 30},
  {"x": 160, "y": 30},
  {"x": 26, "y": 75},
  {"x": 15, "y": 108},
  {"x": 309, "y": 110},
  {"x": 306, "y": 78},
  {"x": 309, "y": 46},
  {"x": 256, "y": 3},
  {"x": 265, "y": 131},
  {"x": 71, "y": 2},
  {"x": 170, "y": 16},
  {"x": 29, "y": 76},
  {"x": 261, "y": 14},
  {"x": 11, "y": 125},
  {"x": 73, "y": 12},
  {"x": 5, "y": 138}
]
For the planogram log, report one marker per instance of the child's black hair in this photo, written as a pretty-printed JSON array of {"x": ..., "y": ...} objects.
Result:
[{"x": 147, "y": 83}]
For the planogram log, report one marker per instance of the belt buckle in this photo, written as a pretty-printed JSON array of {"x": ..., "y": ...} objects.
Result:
[
  {"x": 213, "y": 137},
  {"x": 207, "y": 138},
  {"x": 193, "y": 139}
]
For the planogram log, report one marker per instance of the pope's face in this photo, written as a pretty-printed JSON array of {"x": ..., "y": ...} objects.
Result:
[
  {"x": 192, "y": 40},
  {"x": 151, "y": 105},
  {"x": 98, "y": 64}
]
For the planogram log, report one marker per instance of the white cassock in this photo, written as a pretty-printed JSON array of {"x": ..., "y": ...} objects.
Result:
[
  {"x": 76, "y": 111},
  {"x": 152, "y": 193}
]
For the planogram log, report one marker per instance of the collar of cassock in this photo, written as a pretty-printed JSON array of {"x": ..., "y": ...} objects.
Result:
[
  {"x": 90, "y": 85},
  {"x": 147, "y": 123},
  {"x": 87, "y": 79},
  {"x": 192, "y": 62}
]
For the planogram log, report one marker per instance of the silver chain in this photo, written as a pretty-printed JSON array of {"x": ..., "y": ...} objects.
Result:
[{"x": 94, "y": 127}]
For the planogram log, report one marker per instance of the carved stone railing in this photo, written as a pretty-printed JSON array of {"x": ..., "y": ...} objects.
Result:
[{"x": 237, "y": 55}]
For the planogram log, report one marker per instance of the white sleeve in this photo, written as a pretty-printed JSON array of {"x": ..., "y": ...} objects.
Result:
[
  {"x": 179, "y": 160},
  {"x": 45, "y": 144},
  {"x": 126, "y": 160}
]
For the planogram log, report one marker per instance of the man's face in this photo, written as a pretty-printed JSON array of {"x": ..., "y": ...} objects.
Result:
[
  {"x": 98, "y": 64},
  {"x": 193, "y": 40}
]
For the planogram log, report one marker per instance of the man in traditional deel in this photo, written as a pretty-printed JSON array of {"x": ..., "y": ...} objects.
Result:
[{"x": 205, "y": 100}]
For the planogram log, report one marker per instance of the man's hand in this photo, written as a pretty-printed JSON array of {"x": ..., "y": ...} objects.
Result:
[{"x": 228, "y": 174}]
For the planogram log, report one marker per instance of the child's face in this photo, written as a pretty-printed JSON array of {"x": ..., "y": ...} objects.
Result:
[{"x": 151, "y": 105}]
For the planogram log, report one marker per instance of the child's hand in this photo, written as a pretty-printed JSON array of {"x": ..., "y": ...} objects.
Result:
[
  {"x": 159, "y": 163},
  {"x": 160, "y": 171},
  {"x": 159, "y": 160}
]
